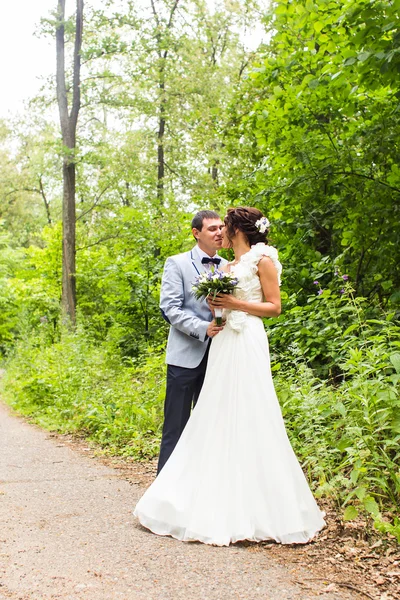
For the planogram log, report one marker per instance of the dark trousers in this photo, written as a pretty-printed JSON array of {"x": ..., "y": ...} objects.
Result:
[{"x": 183, "y": 389}]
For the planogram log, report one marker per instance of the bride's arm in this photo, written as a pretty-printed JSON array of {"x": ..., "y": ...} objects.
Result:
[{"x": 271, "y": 307}]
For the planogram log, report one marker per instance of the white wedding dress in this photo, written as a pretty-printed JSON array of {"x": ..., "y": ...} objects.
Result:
[{"x": 233, "y": 474}]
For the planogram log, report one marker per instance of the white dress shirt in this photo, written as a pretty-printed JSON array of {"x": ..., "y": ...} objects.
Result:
[{"x": 201, "y": 254}]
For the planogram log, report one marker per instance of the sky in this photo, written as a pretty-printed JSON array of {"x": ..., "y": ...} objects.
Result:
[{"x": 25, "y": 58}]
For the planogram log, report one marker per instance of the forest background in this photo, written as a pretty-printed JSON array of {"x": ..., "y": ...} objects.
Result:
[{"x": 176, "y": 114}]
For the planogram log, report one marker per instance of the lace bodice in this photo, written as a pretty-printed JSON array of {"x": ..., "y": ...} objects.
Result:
[{"x": 249, "y": 286}]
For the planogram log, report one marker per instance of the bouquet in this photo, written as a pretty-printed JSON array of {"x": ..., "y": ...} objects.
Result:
[{"x": 212, "y": 283}]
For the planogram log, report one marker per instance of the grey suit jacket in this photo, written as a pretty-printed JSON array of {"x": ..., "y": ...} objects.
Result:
[{"x": 188, "y": 317}]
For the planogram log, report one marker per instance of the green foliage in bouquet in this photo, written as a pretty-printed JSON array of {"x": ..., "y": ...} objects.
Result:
[{"x": 213, "y": 283}]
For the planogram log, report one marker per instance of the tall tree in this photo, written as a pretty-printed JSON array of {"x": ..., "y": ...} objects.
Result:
[
  {"x": 68, "y": 121},
  {"x": 167, "y": 70},
  {"x": 29, "y": 176},
  {"x": 317, "y": 140},
  {"x": 162, "y": 30}
]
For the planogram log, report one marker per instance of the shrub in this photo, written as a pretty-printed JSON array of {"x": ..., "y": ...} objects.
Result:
[{"x": 76, "y": 385}]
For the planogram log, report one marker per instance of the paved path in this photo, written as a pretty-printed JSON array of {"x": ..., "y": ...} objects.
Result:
[{"x": 67, "y": 532}]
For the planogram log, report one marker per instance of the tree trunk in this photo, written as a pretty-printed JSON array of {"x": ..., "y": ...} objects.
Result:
[
  {"x": 162, "y": 57},
  {"x": 46, "y": 203},
  {"x": 160, "y": 149},
  {"x": 215, "y": 166},
  {"x": 68, "y": 122}
]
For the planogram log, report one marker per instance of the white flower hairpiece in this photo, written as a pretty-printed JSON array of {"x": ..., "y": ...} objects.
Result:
[{"x": 262, "y": 224}]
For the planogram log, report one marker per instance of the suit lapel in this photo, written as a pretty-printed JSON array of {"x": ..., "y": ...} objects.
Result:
[{"x": 197, "y": 265}]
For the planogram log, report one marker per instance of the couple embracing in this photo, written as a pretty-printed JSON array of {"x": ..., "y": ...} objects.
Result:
[{"x": 228, "y": 472}]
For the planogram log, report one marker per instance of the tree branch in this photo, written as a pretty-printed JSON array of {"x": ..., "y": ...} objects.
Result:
[
  {"x": 77, "y": 65},
  {"x": 181, "y": 177},
  {"x": 34, "y": 190},
  {"x": 60, "y": 73},
  {"x": 369, "y": 177},
  {"x": 46, "y": 203},
  {"x": 100, "y": 241},
  {"x": 96, "y": 201},
  {"x": 153, "y": 7},
  {"x": 171, "y": 16}
]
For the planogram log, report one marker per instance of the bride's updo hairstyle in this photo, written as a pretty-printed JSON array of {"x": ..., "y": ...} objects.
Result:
[{"x": 244, "y": 218}]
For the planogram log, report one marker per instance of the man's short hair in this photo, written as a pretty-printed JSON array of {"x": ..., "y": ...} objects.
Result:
[{"x": 197, "y": 221}]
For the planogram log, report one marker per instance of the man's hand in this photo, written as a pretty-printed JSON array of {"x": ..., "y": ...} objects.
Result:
[{"x": 213, "y": 329}]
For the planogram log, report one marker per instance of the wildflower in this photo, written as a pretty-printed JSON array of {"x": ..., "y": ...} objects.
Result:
[
  {"x": 342, "y": 291},
  {"x": 320, "y": 292},
  {"x": 345, "y": 277},
  {"x": 316, "y": 282}
]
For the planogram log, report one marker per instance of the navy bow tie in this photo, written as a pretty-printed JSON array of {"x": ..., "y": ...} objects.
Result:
[{"x": 206, "y": 260}]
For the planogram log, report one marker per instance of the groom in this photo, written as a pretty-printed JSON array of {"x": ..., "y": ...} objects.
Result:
[{"x": 191, "y": 329}]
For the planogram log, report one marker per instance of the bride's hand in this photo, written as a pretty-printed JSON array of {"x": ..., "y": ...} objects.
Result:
[{"x": 224, "y": 301}]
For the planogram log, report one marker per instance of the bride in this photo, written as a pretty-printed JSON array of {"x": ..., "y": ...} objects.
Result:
[{"x": 233, "y": 474}]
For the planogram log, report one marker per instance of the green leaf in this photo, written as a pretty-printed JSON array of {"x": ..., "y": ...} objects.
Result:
[
  {"x": 371, "y": 505},
  {"x": 354, "y": 475},
  {"x": 363, "y": 56},
  {"x": 350, "y": 513},
  {"x": 360, "y": 492},
  {"x": 344, "y": 442},
  {"x": 395, "y": 360},
  {"x": 351, "y": 328}
]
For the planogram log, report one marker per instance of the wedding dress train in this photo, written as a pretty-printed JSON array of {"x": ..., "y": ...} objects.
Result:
[{"x": 233, "y": 474}]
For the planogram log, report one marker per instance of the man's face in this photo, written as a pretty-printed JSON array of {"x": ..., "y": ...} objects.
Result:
[{"x": 210, "y": 237}]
